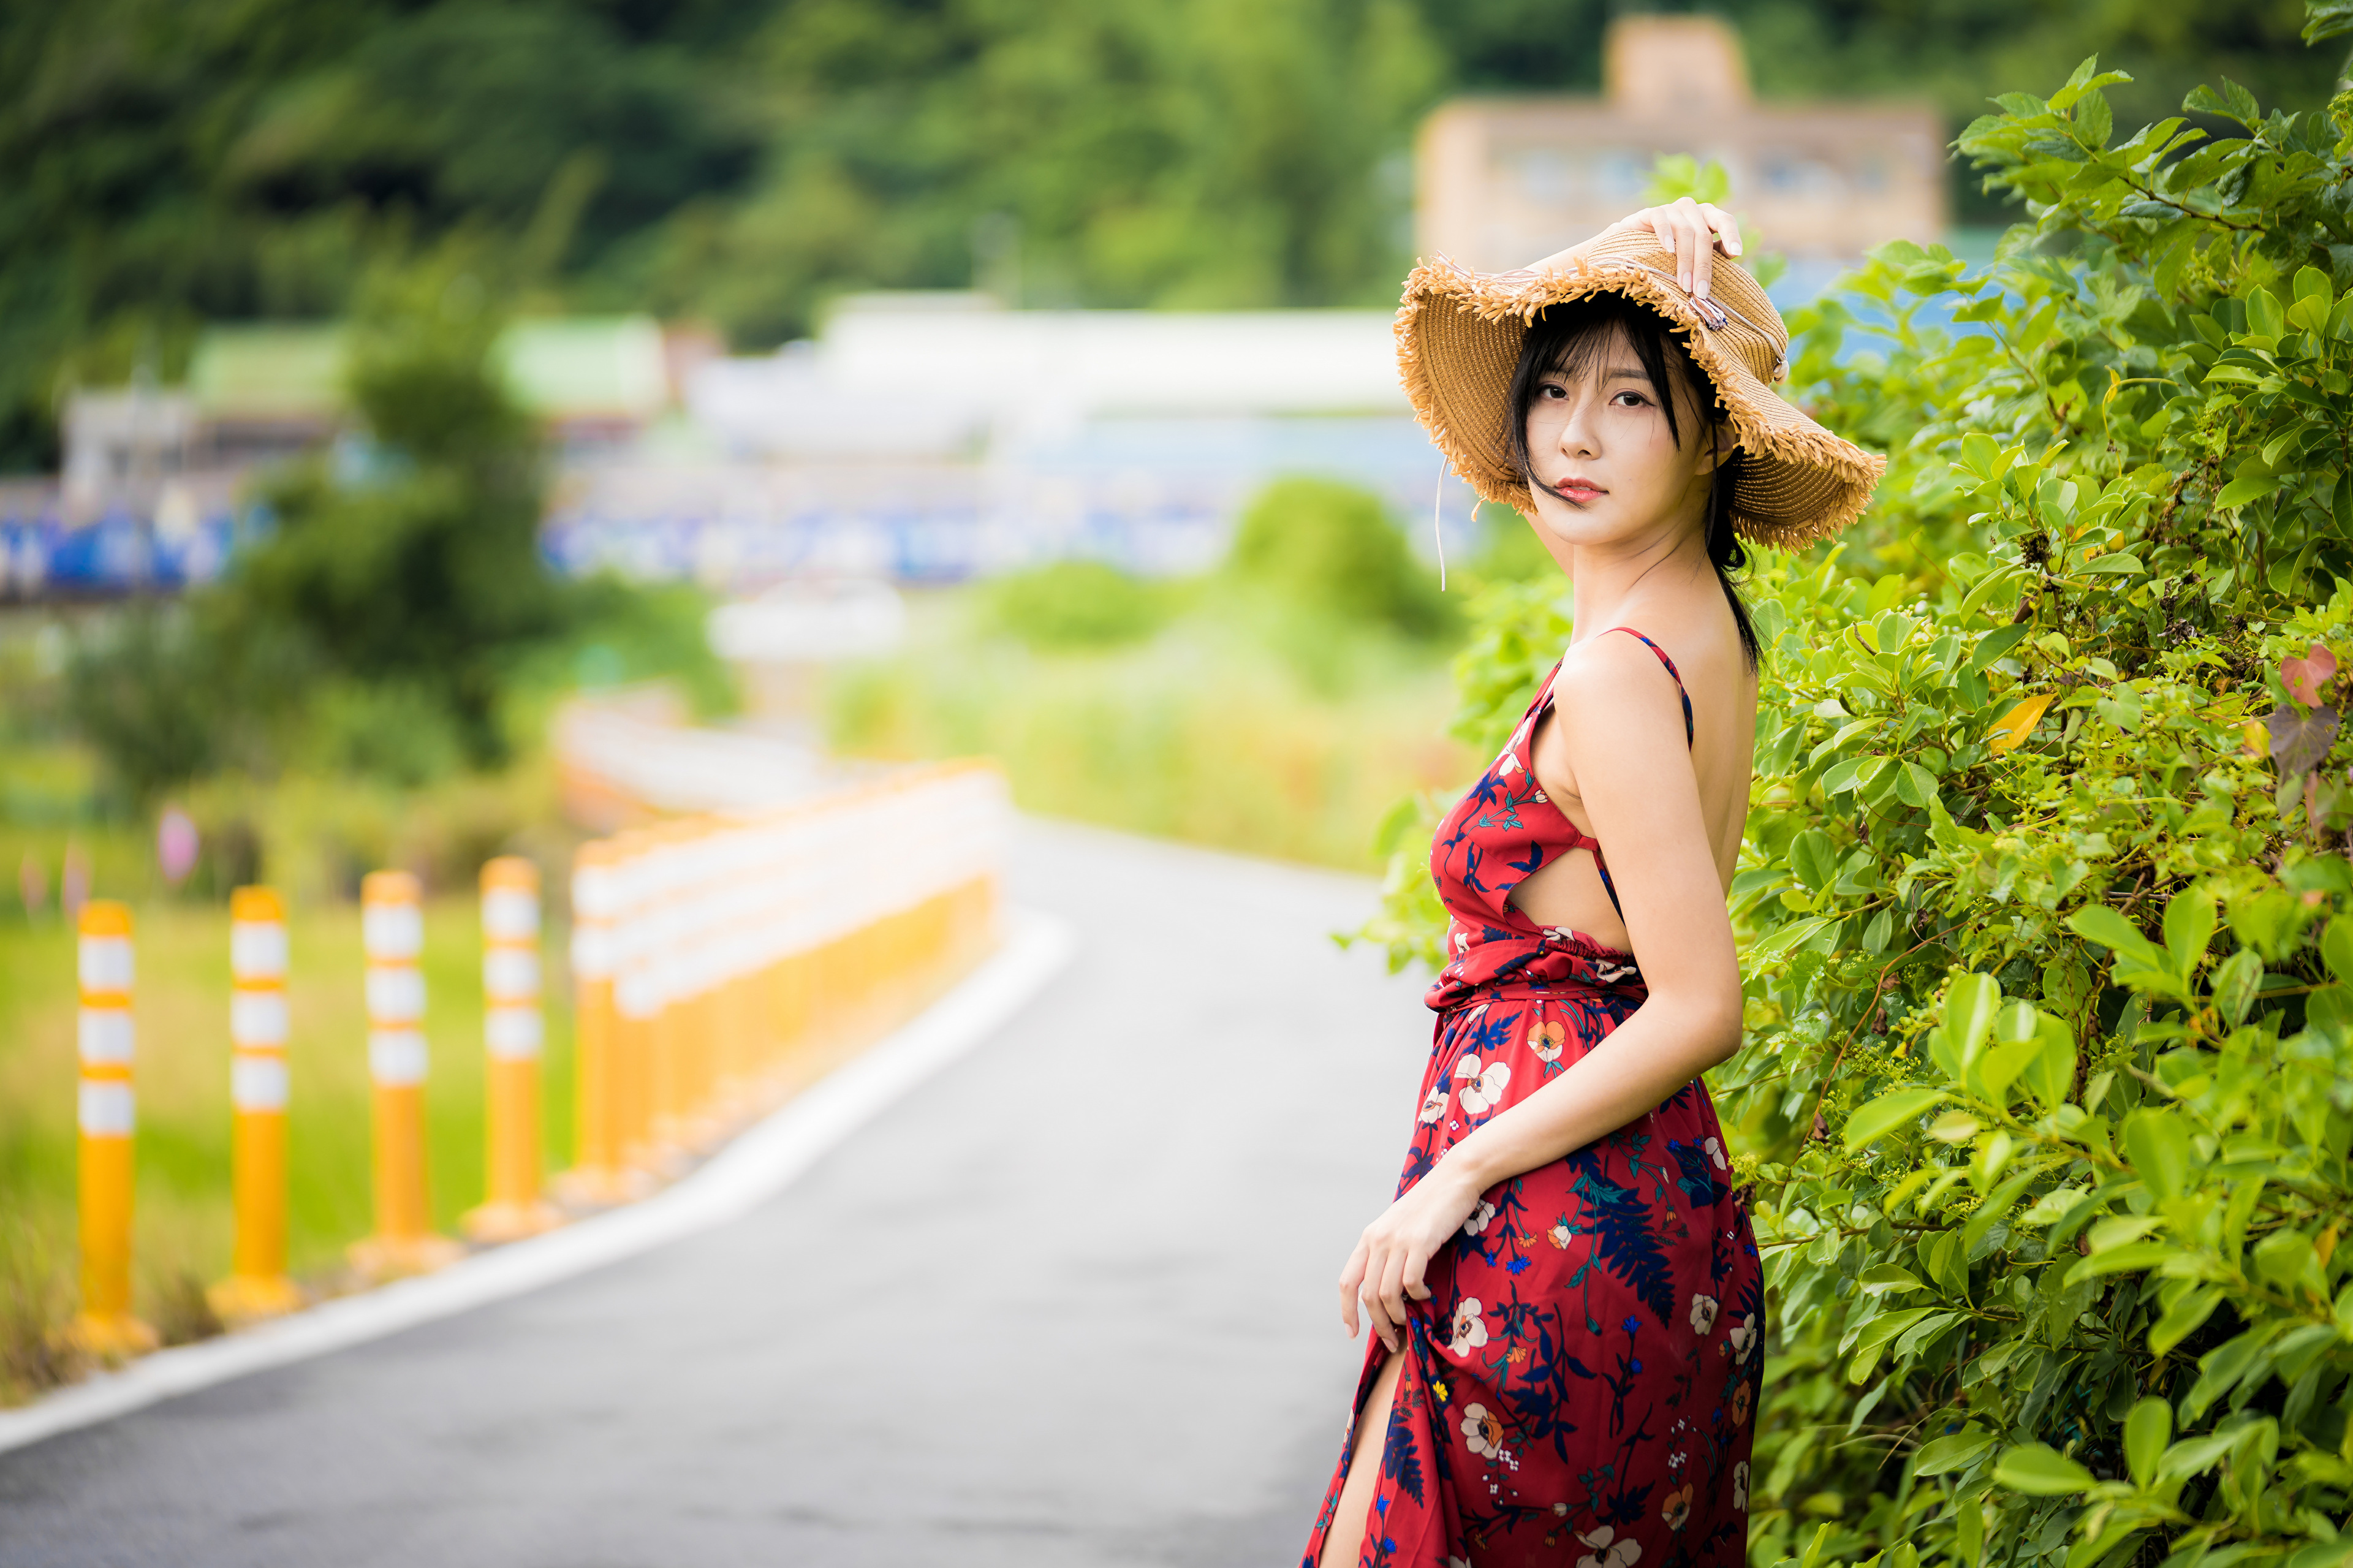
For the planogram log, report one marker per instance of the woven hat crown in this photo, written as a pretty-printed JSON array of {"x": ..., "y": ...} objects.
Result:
[{"x": 1459, "y": 338}]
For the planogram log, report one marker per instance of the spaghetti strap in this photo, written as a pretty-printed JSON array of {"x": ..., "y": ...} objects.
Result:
[{"x": 1672, "y": 673}]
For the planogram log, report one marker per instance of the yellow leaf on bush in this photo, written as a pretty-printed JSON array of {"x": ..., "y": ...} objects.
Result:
[
  {"x": 2012, "y": 728},
  {"x": 2259, "y": 738}
]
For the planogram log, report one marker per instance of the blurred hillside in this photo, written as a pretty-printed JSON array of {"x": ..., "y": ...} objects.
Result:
[{"x": 742, "y": 163}]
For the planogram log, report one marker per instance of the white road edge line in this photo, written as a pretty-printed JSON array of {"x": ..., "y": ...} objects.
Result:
[{"x": 759, "y": 1163}]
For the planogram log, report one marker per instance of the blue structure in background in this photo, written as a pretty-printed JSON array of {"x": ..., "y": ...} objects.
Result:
[{"x": 42, "y": 557}]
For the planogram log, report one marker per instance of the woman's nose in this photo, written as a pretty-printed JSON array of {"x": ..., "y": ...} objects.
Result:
[{"x": 1576, "y": 431}]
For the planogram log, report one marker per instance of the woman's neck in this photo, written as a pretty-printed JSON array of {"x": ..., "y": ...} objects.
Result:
[{"x": 1608, "y": 581}]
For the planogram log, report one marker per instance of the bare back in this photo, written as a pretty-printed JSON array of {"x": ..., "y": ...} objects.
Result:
[{"x": 1698, "y": 632}]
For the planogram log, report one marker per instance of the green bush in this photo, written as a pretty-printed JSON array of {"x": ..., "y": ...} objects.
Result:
[
  {"x": 2046, "y": 901},
  {"x": 1331, "y": 549},
  {"x": 1075, "y": 605}
]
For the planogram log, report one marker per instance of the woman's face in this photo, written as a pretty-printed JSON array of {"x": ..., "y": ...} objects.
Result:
[{"x": 1604, "y": 466}]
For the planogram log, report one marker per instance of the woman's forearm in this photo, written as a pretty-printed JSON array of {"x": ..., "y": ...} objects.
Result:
[{"x": 1629, "y": 1074}]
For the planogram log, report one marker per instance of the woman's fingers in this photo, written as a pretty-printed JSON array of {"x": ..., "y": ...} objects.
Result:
[
  {"x": 1662, "y": 229},
  {"x": 1695, "y": 255},
  {"x": 1415, "y": 1264},
  {"x": 1695, "y": 234},
  {"x": 1392, "y": 1295},
  {"x": 1726, "y": 227},
  {"x": 1352, "y": 1281}
]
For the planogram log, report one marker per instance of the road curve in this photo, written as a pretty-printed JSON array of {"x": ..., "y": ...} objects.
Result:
[{"x": 1071, "y": 1303}]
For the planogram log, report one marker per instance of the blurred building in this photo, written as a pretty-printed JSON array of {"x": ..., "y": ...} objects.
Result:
[
  {"x": 933, "y": 437},
  {"x": 261, "y": 393},
  {"x": 1502, "y": 182}
]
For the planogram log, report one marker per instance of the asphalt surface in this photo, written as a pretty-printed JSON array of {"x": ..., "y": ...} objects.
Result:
[{"x": 1071, "y": 1303}]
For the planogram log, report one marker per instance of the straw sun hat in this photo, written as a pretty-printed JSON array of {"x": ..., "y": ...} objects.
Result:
[{"x": 1459, "y": 334}]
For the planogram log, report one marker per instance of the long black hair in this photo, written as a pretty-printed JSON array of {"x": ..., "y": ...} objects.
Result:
[{"x": 1566, "y": 340}]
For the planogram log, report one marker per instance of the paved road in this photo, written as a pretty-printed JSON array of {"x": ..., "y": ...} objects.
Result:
[{"x": 1070, "y": 1304}]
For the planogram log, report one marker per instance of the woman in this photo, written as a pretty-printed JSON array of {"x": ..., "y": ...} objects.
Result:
[{"x": 1565, "y": 1298}]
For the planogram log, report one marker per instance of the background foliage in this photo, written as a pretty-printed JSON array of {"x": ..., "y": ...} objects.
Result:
[
  {"x": 2047, "y": 906},
  {"x": 742, "y": 160}
]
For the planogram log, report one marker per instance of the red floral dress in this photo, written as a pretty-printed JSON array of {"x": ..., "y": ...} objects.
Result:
[{"x": 1580, "y": 1386}]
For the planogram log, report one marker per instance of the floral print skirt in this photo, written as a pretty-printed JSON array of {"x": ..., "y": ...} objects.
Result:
[{"x": 1580, "y": 1386}]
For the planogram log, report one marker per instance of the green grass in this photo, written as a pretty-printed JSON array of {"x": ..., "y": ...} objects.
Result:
[
  {"x": 184, "y": 1220},
  {"x": 1243, "y": 723}
]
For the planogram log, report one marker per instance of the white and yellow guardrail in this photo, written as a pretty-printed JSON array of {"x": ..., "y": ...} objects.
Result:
[{"x": 718, "y": 964}]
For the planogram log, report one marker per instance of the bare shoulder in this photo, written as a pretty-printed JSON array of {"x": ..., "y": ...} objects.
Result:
[{"x": 1616, "y": 674}]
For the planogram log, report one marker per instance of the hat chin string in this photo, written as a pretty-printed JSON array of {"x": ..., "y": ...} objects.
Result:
[{"x": 1436, "y": 506}]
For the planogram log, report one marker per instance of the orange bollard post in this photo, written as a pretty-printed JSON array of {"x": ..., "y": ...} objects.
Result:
[
  {"x": 600, "y": 1175},
  {"x": 256, "y": 1286},
  {"x": 107, "y": 1113},
  {"x": 513, "y": 1032},
  {"x": 393, "y": 930}
]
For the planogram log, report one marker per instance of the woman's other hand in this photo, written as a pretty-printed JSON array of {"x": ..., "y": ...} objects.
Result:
[
  {"x": 1697, "y": 232},
  {"x": 1394, "y": 1253}
]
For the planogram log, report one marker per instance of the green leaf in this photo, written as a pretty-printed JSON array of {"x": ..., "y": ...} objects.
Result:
[
  {"x": 1968, "y": 1014},
  {"x": 2192, "y": 1456},
  {"x": 2120, "y": 565},
  {"x": 1788, "y": 936},
  {"x": 2132, "y": 1258},
  {"x": 2158, "y": 1143},
  {"x": 1954, "y": 1451},
  {"x": 1916, "y": 786},
  {"x": 2097, "y": 922},
  {"x": 2146, "y": 1431},
  {"x": 2040, "y": 1471},
  {"x": 2264, "y": 317},
  {"x": 2000, "y": 1066},
  {"x": 1882, "y": 1115},
  {"x": 2051, "y": 1075},
  {"x": 1811, "y": 860},
  {"x": 2188, "y": 926},
  {"x": 2325, "y": 19},
  {"x": 1997, "y": 643},
  {"x": 1887, "y": 1278},
  {"x": 2337, "y": 948},
  {"x": 2182, "y": 1320},
  {"x": 2221, "y": 1368}
]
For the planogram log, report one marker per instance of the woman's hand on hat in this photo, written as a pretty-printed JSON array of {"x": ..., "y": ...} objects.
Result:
[{"x": 1696, "y": 232}]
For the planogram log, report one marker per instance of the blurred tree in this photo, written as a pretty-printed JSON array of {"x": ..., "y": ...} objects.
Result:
[
  {"x": 410, "y": 564},
  {"x": 745, "y": 160}
]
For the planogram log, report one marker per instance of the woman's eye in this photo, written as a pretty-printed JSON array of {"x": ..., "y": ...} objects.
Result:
[{"x": 1631, "y": 399}]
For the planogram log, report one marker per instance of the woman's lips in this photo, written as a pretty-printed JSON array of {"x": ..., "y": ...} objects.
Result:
[{"x": 1581, "y": 491}]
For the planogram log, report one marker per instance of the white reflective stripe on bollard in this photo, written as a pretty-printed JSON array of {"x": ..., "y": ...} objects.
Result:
[
  {"x": 593, "y": 951},
  {"x": 392, "y": 931},
  {"x": 514, "y": 1033},
  {"x": 256, "y": 1018},
  {"x": 257, "y": 1083},
  {"x": 256, "y": 950},
  {"x": 510, "y": 974},
  {"x": 397, "y": 1056},
  {"x": 395, "y": 996},
  {"x": 105, "y": 1036},
  {"x": 106, "y": 1110},
  {"x": 510, "y": 914},
  {"x": 106, "y": 963}
]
